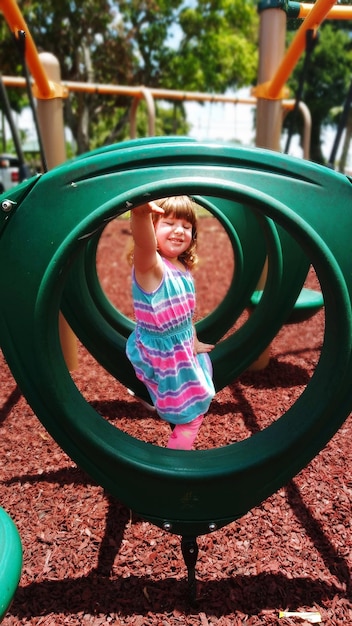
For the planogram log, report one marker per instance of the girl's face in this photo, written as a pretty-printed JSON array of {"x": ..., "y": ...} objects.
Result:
[{"x": 174, "y": 235}]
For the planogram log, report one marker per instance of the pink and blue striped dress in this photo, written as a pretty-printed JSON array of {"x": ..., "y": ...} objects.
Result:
[{"x": 161, "y": 348}]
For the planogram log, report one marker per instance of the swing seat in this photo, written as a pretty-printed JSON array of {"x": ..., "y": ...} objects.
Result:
[{"x": 308, "y": 303}]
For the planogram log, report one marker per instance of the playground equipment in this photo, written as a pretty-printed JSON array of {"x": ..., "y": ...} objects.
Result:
[
  {"x": 188, "y": 493},
  {"x": 282, "y": 205},
  {"x": 91, "y": 315},
  {"x": 307, "y": 304},
  {"x": 10, "y": 561},
  {"x": 274, "y": 68},
  {"x": 271, "y": 89}
]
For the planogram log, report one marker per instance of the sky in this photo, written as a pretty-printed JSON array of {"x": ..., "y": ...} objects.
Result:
[{"x": 224, "y": 121}]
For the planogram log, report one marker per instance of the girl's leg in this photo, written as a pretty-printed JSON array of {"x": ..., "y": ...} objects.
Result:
[{"x": 183, "y": 435}]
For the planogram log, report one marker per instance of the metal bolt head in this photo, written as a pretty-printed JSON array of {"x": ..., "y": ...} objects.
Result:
[
  {"x": 7, "y": 205},
  {"x": 167, "y": 526},
  {"x": 212, "y": 526}
]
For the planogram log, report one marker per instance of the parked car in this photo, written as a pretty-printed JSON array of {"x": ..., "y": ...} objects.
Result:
[{"x": 11, "y": 172}]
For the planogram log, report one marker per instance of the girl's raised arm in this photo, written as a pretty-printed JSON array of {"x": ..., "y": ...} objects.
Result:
[{"x": 147, "y": 263}]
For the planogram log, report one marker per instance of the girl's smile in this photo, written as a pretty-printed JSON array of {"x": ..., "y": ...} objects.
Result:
[{"x": 174, "y": 236}]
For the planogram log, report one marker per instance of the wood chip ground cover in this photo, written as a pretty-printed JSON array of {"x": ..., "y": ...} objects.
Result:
[{"x": 89, "y": 561}]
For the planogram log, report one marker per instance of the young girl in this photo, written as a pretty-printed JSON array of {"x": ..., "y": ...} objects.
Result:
[{"x": 164, "y": 349}]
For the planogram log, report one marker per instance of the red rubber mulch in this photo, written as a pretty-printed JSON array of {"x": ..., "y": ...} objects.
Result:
[{"x": 89, "y": 561}]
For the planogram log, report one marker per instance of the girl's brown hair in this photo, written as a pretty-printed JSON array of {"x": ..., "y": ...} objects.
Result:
[{"x": 181, "y": 207}]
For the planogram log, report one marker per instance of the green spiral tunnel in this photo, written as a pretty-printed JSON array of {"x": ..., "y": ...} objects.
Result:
[{"x": 294, "y": 213}]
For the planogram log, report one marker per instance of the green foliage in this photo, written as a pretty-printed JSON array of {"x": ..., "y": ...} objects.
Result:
[
  {"x": 219, "y": 46},
  {"x": 11, "y": 65},
  {"x": 209, "y": 46},
  {"x": 327, "y": 82}
]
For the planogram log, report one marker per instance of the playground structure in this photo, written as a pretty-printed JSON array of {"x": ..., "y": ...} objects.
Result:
[
  {"x": 241, "y": 187},
  {"x": 10, "y": 561},
  {"x": 266, "y": 202}
]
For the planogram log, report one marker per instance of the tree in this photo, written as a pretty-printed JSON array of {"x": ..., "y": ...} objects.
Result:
[
  {"x": 10, "y": 64},
  {"x": 219, "y": 47},
  {"x": 327, "y": 82},
  {"x": 158, "y": 43}
]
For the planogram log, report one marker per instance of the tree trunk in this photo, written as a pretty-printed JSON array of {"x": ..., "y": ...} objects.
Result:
[
  {"x": 316, "y": 154},
  {"x": 83, "y": 107},
  {"x": 346, "y": 143}
]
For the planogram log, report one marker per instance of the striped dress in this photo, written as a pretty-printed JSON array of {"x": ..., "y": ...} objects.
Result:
[{"x": 161, "y": 348}]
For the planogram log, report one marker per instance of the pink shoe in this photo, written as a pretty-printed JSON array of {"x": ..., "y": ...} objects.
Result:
[{"x": 184, "y": 435}]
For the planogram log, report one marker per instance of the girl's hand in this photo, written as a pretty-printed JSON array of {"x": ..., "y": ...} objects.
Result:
[
  {"x": 146, "y": 209},
  {"x": 200, "y": 347},
  {"x": 155, "y": 208}
]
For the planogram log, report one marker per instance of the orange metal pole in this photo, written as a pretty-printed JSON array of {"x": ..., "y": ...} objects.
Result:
[
  {"x": 138, "y": 92},
  {"x": 162, "y": 94},
  {"x": 272, "y": 90},
  {"x": 16, "y": 23},
  {"x": 338, "y": 12},
  {"x": 169, "y": 94}
]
